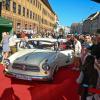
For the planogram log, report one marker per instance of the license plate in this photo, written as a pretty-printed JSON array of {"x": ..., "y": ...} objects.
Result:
[{"x": 23, "y": 77}]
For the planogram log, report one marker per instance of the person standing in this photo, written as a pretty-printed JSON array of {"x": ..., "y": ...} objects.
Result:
[
  {"x": 95, "y": 48},
  {"x": 89, "y": 77},
  {"x": 5, "y": 45},
  {"x": 13, "y": 44},
  {"x": 77, "y": 50}
]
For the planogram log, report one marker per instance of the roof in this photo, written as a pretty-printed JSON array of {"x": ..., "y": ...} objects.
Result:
[
  {"x": 46, "y": 2},
  {"x": 93, "y": 16}
]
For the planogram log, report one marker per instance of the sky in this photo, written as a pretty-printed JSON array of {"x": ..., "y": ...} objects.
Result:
[{"x": 72, "y": 11}]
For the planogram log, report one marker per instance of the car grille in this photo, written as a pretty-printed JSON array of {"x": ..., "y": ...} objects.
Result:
[{"x": 26, "y": 67}]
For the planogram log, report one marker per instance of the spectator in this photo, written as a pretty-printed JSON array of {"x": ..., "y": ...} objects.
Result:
[
  {"x": 85, "y": 53},
  {"x": 13, "y": 44},
  {"x": 89, "y": 77},
  {"x": 81, "y": 39},
  {"x": 95, "y": 49},
  {"x": 69, "y": 44},
  {"x": 5, "y": 45},
  {"x": 77, "y": 50},
  {"x": 97, "y": 66},
  {"x": 88, "y": 41},
  {"x": 62, "y": 45}
]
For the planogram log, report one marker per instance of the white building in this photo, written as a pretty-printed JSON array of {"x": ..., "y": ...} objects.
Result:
[{"x": 67, "y": 29}]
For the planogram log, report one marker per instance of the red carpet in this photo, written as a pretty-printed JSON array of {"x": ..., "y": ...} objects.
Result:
[{"x": 63, "y": 87}]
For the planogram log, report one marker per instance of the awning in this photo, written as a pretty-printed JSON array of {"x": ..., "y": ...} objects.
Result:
[{"x": 5, "y": 22}]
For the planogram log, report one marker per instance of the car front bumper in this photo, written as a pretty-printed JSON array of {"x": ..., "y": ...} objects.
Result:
[{"x": 26, "y": 77}]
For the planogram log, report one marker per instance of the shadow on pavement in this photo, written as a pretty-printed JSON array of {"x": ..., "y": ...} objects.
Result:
[{"x": 8, "y": 94}]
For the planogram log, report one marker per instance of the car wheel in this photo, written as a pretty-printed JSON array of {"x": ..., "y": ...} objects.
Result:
[
  {"x": 50, "y": 80},
  {"x": 55, "y": 71},
  {"x": 52, "y": 76}
]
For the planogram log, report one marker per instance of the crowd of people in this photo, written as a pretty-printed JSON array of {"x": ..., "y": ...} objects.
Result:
[
  {"x": 87, "y": 60},
  {"x": 86, "y": 57}
]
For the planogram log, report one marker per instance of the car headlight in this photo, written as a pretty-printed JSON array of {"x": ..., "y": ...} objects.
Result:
[
  {"x": 46, "y": 67},
  {"x": 7, "y": 62}
]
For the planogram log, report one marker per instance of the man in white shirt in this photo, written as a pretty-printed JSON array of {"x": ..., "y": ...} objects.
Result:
[
  {"x": 12, "y": 43},
  {"x": 77, "y": 50}
]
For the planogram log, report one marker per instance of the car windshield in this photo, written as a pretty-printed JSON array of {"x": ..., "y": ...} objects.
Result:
[{"x": 39, "y": 44}]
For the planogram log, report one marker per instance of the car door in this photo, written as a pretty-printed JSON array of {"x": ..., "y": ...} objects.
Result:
[{"x": 65, "y": 57}]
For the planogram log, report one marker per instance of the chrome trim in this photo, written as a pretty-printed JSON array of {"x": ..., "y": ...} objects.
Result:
[{"x": 13, "y": 75}]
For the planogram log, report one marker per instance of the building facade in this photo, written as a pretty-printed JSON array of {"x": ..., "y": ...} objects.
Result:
[
  {"x": 36, "y": 15},
  {"x": 76, "y": 28},
  {"x": 92, "y": 24},
  {"x": 67, "y": 29}
]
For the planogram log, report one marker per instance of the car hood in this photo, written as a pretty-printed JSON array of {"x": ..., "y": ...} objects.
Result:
[{"x": 34, "y": 57}]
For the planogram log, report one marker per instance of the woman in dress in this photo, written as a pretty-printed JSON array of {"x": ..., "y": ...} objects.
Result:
[{"x": 5, "y": 45}]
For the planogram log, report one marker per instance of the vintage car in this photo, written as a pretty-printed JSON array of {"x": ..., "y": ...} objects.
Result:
[{"x": 39, "y": 61}]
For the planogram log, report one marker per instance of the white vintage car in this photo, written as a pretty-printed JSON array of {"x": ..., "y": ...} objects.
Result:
[{"x": 39, "y": 61}]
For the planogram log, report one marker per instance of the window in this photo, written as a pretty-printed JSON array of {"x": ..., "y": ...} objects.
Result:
[
  {"x": 31, "y": 1},
  {"x": 39, "y": 5},
  {"x": 30, "y": 27},
  {"x": 14, "y": 7},
  {"x": 19, "y": 9},
  {"x": 27, "y": 13},
  {"x": 37, "y": 17},
  {"x": 18, "y": 25},
  {"x": 25, "y": 26},
  {"x": 23, "y": 11},
  {"x": 30, "y": 14},
  {"x": 8, "y": 5},
  {"x": 33, "y": 16},
  {"x": 36, "y": 3}
]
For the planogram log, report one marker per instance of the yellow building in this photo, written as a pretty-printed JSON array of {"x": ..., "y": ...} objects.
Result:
[{"x": 29, "y": 14}]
